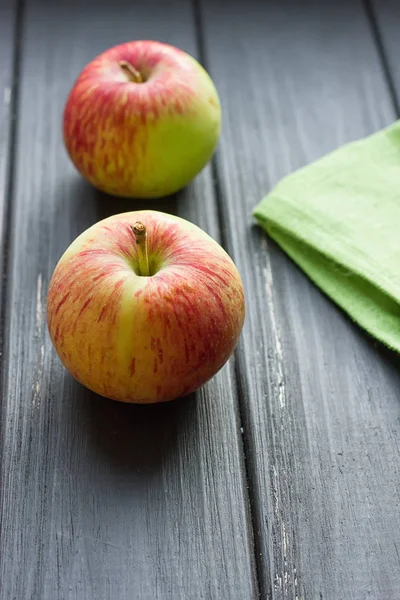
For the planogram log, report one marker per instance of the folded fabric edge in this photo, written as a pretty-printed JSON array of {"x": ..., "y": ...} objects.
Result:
[
  {"x": 368, "y": 305},
  {"x": 277, "y": 208}
]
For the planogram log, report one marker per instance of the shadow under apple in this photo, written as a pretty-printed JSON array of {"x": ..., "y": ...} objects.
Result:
[
  {"x": 87, "y": 205},
  {"x": 133, "y": 437}
]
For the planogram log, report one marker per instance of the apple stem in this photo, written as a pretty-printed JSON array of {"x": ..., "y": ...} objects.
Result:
[
  {"x": 140, "y": 233},
  {"x": 133, "y": 74}
]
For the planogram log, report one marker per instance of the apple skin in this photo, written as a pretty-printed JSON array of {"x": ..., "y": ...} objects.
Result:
[
  {"x": 143, "y": 140},
  {"x": 145, "y": 339}
]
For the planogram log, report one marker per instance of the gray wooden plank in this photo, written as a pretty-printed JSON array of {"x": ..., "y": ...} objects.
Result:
[
  {"x": 7, "y": 51},
  {"x": 386, "y": 17},
  {"x": 100, "y": 499},
  {"x": 320, "y": 400}
]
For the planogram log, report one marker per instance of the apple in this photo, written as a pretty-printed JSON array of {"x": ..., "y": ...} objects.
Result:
[
  {"x": 141, "y": 120},
  {"x": 144, "y": 307}
]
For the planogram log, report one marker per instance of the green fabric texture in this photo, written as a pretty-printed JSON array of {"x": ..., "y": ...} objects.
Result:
[{"x": 339, "y": 220}]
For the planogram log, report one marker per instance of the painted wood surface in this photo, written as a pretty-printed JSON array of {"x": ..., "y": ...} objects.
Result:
[
  {"x": 320, "y": 401},
  {"x": 385, "y": 17},
  {"x": 280, "y": 479},
  {"x": 8, "y": 81},
  {"x": 103, "y": 500}
]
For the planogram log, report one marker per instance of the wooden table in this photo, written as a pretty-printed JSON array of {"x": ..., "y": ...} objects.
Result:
[{"x": 281, "y": 478}]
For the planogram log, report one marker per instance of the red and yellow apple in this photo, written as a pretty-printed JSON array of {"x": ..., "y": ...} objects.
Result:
[
  {"x": 141, "y": 120},
  {"x": 145, "y": 307}
]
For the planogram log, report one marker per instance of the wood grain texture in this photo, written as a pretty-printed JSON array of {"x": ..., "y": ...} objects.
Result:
[
  {"x": 7, "y": 53},
  {"x": 320, "y": 400},
  {"x": 386, "y": 15},
  {"x": 103, "y": 500}
]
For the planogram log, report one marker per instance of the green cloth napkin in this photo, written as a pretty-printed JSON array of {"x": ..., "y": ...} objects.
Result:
[{"x": 339, "y": 220}]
